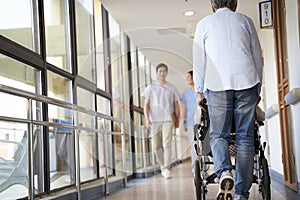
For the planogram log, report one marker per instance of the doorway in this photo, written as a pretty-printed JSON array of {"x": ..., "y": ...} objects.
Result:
[{"x": 286, "y": 131}]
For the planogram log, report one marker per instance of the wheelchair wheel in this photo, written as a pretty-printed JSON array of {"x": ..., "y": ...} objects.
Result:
[
  {"x": 265, "y": 187},
  {"x": 200, "y": 188}
]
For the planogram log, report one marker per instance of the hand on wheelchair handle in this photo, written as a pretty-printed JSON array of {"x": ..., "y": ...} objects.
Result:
[{"x": 203, "y": 104}]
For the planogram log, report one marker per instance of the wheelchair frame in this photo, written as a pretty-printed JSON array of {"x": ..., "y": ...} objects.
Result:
[{"x": 202, "y": 179}]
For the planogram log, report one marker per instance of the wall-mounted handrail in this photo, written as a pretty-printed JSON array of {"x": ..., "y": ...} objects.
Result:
[
  {"x": 75, "y": 108},
  {"x": 293, "y": 96},
  {"x": 271, "y": 111}
]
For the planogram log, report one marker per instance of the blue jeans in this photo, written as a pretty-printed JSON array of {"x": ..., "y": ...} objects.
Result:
[{"x": 225, "y": 108}]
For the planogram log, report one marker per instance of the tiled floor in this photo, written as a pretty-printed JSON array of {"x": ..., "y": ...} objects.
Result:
[{"x": 181, "y": 187}]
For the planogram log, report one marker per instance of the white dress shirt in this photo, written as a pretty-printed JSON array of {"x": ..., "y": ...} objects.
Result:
[{"x": 226, "y": 53}]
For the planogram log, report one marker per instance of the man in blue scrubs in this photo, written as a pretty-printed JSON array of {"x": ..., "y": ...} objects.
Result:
[{"x": 189, "y": 99}]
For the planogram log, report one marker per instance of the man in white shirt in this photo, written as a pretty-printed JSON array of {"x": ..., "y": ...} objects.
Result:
[
  {"x": 228, "y": 73},
  {"x": 161, "y": 110}
]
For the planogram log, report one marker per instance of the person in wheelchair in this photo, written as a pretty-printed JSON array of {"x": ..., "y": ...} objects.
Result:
[{"x": 228, "y": 73}]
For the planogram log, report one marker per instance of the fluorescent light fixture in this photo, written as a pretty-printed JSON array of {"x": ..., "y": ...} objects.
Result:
[{"x": 189, "y": 13}]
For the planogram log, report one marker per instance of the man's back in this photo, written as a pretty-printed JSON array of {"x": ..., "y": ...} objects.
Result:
[{"x": 232, "y": 50}]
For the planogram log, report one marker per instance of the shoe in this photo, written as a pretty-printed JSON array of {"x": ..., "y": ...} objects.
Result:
[
  {"x": 239, "y": 197},
  {"x": 225, "y": 186},
  {"x": 166, "y": 173}
]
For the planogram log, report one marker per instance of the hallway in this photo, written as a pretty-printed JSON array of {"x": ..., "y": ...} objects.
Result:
[{"x": 181, "y": 187}]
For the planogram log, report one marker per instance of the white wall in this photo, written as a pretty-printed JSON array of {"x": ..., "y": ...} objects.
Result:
[
  {"x": 294, "y": 71},
  {"x": 270, "y": 95}
]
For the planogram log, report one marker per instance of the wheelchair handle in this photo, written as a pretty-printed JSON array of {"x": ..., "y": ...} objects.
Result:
[{"x": 203, "y": 102}]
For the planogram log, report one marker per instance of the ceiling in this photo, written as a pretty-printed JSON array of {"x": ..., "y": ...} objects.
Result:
[{"x": 161, "y": 31}]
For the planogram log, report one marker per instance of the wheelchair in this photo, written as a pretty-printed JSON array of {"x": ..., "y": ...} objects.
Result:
[{"x": 202, "y": 178}]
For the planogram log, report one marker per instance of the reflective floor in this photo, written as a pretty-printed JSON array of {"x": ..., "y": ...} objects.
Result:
[{"x": 181, "y": 187}]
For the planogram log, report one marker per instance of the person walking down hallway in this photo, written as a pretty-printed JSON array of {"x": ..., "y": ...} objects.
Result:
[
  {"x": 161, "y": 111},
  {"x": 228, "y": 73},
  {"x": 189, "y": 99}
]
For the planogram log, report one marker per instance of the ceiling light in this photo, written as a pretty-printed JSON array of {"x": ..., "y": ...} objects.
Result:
[{"x": 189, "y": 13}]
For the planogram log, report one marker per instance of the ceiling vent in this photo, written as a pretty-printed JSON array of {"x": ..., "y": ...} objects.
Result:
[{"x": 168, "y": 31}]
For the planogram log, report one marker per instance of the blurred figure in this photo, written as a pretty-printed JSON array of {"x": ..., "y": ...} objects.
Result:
[
  {"x": 189, "y": 99},
  {"x": 161, "y": 110}
]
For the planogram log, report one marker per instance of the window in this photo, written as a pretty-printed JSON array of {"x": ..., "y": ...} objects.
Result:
[
  {"x": 57, "y": 33},
  {"x": 14, "y": 135},
  {"x": 19, "y": 23},
  {"x": 61, "y": 140},
  {"x": 135, "y": 78},
  {"x": 126, "y": 104},
  {"x": 99, "y": 45},
  {"x": 87, "y": 139},
  {"x": 116, "y": 68},
  {"x": 103, "y": 106},
  {"x": 139, "y": 140},
  {"x": 17, "y": 75},
  {"x": 14, "y": 153},
  {"x": 59, "y": 87},
  {"x": 142, "y": 76},
  {"x": 85, "y": 39}
]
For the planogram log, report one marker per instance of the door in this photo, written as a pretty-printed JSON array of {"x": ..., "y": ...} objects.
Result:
[{"x": 288, "y": 160}]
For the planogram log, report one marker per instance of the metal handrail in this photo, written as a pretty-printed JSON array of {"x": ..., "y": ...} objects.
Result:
[
  {"x": 75, "y": 108},
  {"x": 49, "y": 100}
]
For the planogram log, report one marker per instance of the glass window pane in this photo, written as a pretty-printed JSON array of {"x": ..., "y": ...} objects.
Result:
[
  {"x": 125, "y": 74},
  {"x": 142, "y": 76},
  {"x": 110, "y": 146},
  {"x": 61, "y": 140},
  {"x": 14, "y": 155},
  {"x": 127, "y": 118},
  {"x": 138, "y": 140},
  {"x": 59, "y": 87},
  {"x": 87, "y": 148},
  {"x": 18, "y": 23},
  {"x": 85, "y": 98},
  {"x": 117, "y": 90},
  {"x": 135, "y": 83},
  {"x": 116, "y": 68},
  {"x": 103, "y": 105},
  {"x": 17, "y": 75},
  {"x": 99, "y": 45},
  {"x": 85, "y": 39},
  {"x": 101, "y": 152},
  {"x": 148, "y": 72},
  {"x": 61, "y": 155},
  {"x": 87, "y": 140},
  {"x": 105, "y": 147},
  {"x": 57, "y": 33},
  {"x": 38, "y": 159}
]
